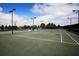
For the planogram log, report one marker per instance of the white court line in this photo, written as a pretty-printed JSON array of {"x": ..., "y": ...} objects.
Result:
[
  {"x": 61, "y": 36},
  {"x": 71, "y": 37},
  {"x": 32, "y": 38}
]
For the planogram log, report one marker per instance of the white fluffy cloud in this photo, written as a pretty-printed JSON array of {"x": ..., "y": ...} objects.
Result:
[
  {"x": 43, "y": 19},
  {"x": 54, "y": 9},
  {"x": 52, "y": 12},
  {"x": 59, "y": 12},
  {"x": 5, "y": 19}
]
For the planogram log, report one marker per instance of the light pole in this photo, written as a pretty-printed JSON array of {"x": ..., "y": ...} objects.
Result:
[
  {"x": 15, "y": 23},
  {"x": 70, "y": 22},
  {"x": 77, "y": 11},
  {"x": 33, "y": 21},
  {"x": 11, "y": 11}
]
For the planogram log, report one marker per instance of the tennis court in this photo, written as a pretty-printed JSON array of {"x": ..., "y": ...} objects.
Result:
[{"x": 56, "y": 42}]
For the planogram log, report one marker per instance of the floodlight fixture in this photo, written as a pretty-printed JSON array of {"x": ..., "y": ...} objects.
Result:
[{"x": 77, "y": 11}]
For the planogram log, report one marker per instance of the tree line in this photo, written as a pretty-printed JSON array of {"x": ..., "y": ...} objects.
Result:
[
  {"x": 41, "y": 26},
  {"x": 49, "y": 26}
]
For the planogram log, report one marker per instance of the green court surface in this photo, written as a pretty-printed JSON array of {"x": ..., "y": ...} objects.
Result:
[{"x": 56, "y": 42}]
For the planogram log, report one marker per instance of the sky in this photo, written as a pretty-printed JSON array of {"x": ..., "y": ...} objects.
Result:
[{"x": 24, "y": 14}]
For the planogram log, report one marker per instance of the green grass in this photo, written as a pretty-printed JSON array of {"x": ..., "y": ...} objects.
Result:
[{"x": 40, "y": 43}]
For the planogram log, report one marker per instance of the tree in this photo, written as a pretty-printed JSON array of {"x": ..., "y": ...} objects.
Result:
[
  {"x": 50, "y": 26},
  {"x": 42, "y": 26},
  {"x": 9, "y": 27},
  {"x": 15, "y": 27},
  {"x": 6, "y": 28},
  {"x": 58, "y": 26},
  {"x": 54, "y": 26},
  {"x": 2, "y": 27}
]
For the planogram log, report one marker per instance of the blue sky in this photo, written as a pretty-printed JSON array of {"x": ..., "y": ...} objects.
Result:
[
  {"x": 44, "y": 12},
  {"x": 21, "y": 8}
]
